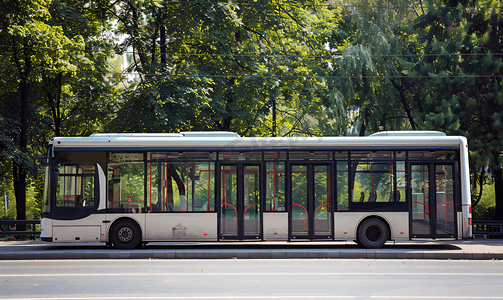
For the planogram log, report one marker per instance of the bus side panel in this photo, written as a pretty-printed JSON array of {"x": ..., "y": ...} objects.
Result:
[
  {"x": 346, "y": 224},
  {"x": 88, "y": 229},
  {"x": 46, "y": 230},
  {"x": 275, "y": 225},
  {"x": 464, "y": 229},
  {"x": 181, "y": 227},
  {"x": 465, "y": 191}
]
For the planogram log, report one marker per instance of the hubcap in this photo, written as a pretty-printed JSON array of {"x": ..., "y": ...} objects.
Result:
[
  {"x": 125, "y": 234},
  {"x": 373, "y": 233}
]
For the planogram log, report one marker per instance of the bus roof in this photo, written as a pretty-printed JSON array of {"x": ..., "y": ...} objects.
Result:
[{"x": 230, "y": 140}]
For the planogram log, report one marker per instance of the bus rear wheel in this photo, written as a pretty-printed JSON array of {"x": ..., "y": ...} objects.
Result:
[
  {"x": 125, "y": 234},
  {"x": 373, "y": 233}
]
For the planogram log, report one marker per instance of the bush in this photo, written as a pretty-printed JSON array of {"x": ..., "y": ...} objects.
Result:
[{"x": 485, "y": 209}]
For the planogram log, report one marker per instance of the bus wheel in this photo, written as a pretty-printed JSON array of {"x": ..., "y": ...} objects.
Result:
[
  {"x": 125, "y": 234},
  {"x": 373, "y": 233}
]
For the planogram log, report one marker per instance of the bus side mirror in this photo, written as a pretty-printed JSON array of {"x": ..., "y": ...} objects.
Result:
[
  {"x": 35, "y": 169},
  {"x": 35, "y": 165}
]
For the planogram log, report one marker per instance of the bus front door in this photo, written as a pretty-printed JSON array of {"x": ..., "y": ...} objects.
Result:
[
  {"x": 240, "y": 214},
  {"x": 433, "y": 194},
  {"x": 311, "y": 198}
]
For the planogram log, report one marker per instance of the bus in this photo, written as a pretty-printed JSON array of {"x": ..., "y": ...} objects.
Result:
[{"x": 127, "y": 190}]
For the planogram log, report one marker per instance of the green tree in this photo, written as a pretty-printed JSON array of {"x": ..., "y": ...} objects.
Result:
[
  {"x": 463, "y": 93},
  {"x": 227, "y": 61},
  {"x": 23, "y": 28},
  {"x": 372, "y": 48},
  {"x": 46, "y": 85}
]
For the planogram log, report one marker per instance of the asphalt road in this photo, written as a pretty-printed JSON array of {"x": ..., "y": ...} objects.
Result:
[{"x": 251, "y": 279}]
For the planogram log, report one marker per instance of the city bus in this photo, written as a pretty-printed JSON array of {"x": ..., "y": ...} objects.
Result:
[{"x": 129, "y": 189}]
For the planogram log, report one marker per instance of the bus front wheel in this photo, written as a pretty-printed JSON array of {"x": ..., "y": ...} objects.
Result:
[
  {"x": 125, "y": 234},
  {"x": 373, "y": 233}
]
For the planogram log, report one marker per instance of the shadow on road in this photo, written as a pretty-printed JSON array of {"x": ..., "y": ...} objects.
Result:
[{"x": 240, "y": 246}]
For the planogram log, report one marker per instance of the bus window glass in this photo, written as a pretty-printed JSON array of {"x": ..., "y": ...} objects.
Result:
[
  {"x": 235, "y": 156},
  {"x": 126, "y": 181},
  {"x": 275, "y": 156},
  {"x": 47, "y": 190},
  {"x": 180, "y": 156},
  {"x": 432, "y": 155},
  {"x": 75, "y": 186},
  {"x": 299, "y": 200},
  {"x": 371, "y": 155},
  {"x": 373, "y": 181},
  {"x": 445, "y": 155},
  {"x": 400, "y": 182},
  {"x": 275, "y": 187},
  {"x": 181, "y": 186},
  {"x": 310, "y": 155},
  {"x": 202, "y": 186},
  {"x": 342, "y": 186},
  {"x": 322, "y": 199}
]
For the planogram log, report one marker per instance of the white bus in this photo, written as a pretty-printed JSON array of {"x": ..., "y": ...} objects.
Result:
[{"x": 130, "y": 189}]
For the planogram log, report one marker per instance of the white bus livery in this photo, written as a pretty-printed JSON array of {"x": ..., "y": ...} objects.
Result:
[{"x": 130, "y": 189}]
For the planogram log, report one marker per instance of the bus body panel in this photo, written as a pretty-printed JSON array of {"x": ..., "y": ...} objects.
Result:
[
  {"x": 181, "y": 227},
  {"x": 275, "y": 225},
  {"x": 466, "y": 201},
  {"x": 88, "y": 229},
  {"x": 46, "y": 230},
  {"x": 346, "y": 224}
]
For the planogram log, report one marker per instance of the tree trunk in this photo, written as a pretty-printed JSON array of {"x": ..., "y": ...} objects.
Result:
[
  {"x": 20, "y": 193},
  {"x": 19, "y": 169}
]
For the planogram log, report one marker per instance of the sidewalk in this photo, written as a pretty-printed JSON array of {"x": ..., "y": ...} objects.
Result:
[{"x": 477, "y": 249}]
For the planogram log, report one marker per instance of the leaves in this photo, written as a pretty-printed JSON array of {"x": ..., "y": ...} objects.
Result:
[{"x": 169, "y": 66}]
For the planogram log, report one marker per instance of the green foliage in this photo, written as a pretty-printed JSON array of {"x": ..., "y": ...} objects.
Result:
[
  {"x": 485, "y": 209},
  {"x": 227, "y": 61},
  {"x": 328, "y": 69}
]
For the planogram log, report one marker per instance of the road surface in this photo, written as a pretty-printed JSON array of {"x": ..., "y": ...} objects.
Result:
[{"x": 251, "y": 279}]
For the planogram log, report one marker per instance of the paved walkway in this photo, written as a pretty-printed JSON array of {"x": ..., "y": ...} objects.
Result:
[{"x": 477, "y": 249}]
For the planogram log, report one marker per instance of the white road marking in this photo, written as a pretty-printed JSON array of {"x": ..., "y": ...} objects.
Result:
[
  {"x": 258, "y": 297},
  {"x": 203, "y": 273},
  {"x": 191, "y": 297}
]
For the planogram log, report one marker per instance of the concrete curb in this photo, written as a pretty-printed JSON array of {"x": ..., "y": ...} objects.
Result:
[{"x": 247, "y": 254}]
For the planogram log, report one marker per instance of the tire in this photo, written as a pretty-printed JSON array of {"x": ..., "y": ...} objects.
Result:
[
  {"x": 125, "y": 234},
  {"x": 373, "y": 233}
]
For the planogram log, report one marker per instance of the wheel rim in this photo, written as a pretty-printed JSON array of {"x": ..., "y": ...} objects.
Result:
[
  {"x": 125, "y": 234},
  {"x": 373, "y": 233}
]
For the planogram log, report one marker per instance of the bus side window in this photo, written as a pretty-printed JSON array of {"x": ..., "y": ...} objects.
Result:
[
  {"x": 126, "y": 186},
  {"x": 75, "y": 186},
  {"x": 178, "y": 183},
  {"x": 275, "y": 187}
]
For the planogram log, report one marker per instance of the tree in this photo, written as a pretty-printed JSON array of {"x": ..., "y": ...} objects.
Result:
[
  {"x": 463, "y": 93},
  {"x": 227, "y": 61},
  {"x": 23, "y": 27},
  {"x": 372, "y": 49},
  {"x": 47, "y": 52}
]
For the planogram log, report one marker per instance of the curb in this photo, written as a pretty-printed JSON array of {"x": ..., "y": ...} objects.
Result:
[{"x": 248, "y": 254}]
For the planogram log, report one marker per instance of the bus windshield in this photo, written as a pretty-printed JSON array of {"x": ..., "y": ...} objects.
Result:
[{"x": 47, "y": 188}]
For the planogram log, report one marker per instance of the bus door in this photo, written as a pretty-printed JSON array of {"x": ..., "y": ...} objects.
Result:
[
  {"x": 240, "y": 213},
  {"x": 310, "y": 204},
  {"x": 433, "y": 190}
]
